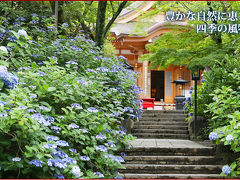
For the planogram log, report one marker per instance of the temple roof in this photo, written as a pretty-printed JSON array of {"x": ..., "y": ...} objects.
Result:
[{"x": 126, "y": 22}]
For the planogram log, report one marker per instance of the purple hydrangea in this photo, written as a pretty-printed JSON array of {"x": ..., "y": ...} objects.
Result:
[{"x": 118, "y": 159}]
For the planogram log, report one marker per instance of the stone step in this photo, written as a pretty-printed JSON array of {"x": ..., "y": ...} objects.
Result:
[
  {"x": 178, "y": 160},
  {"x": 171, "y": 169},
  {"x": 170, "y": 176},
  {"x": 169, "y": 151},
  {"x": 163, "y": 112},
  {"x": 161, "y": 123},
  {"x": 160, "y": 127},
  {"x": 161, "y": 136},
  {"x": 161, "y": 119},
  {"x": 164, "y": 115},
  {"x": 159, "y": 131}
]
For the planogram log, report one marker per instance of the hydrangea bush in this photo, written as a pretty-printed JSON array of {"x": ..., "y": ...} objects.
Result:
[
  {"x": 62, "y": 107},
  {"x": 218, "y": 98}
]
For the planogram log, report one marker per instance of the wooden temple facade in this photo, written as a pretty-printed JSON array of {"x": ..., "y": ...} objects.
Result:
[{"x": 154, "y": 83}]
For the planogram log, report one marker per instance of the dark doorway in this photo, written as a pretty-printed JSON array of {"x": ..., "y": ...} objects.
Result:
[{"x": 157, "y": 85}]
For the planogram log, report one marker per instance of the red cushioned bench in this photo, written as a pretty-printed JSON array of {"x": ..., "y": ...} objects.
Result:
[{"x": 148, "y": 102}]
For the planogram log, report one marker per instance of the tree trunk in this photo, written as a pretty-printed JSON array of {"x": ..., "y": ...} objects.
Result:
[{"x": 100, "y": 24}]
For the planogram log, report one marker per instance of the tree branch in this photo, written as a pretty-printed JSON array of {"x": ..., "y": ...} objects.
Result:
[{"x": 120, "y": 8}]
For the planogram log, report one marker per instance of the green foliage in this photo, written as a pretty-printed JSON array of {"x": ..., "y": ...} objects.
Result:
[
  {"x": 218, "y": 101},
  {"x": 64, "y": 117},
  {"x": 183, "y": 46}
]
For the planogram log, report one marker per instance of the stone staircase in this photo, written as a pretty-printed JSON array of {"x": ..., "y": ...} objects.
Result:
[
  {"x": 162, "y": 150},
  {"x": 157, "y": 124}
]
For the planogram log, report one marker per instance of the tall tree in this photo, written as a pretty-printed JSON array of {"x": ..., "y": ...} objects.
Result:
[{"x": 94, "y": 18}]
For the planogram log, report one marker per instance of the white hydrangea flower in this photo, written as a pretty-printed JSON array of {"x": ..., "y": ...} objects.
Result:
[
  {"x": 76, "y": 171},
  {"x": 22, "y": 32},
  {"x": 229, "y": 138},
  {"x": 3, "y": 49}
]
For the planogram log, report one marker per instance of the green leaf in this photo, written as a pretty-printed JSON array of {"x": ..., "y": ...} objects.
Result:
[{"x": 50, "y": 89}]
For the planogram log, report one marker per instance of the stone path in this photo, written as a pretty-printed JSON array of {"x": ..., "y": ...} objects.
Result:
[
  {"x": 162, "y": 151},
  {"x": 166, "y": 143}
]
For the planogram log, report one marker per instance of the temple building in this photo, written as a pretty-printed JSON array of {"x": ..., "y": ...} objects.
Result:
[{"x": 155, "y": 83}]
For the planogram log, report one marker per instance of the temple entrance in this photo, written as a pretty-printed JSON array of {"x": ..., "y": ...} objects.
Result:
[{"x": 157, "y": 85}]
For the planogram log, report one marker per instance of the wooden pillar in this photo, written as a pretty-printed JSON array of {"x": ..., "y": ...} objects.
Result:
[{"x": 145, "y": 79}]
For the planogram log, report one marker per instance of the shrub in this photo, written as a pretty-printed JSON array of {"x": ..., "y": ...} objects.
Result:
[{"x": 63, "y": 118}]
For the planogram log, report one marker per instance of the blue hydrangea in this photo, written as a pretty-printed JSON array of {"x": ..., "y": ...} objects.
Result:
[
  {"x": 202, "y": 80},
  {"x": 76, "y": 171},
  {"x": 56, "y": 129},
  {"x": 59, "y": 153},
  {"x": 42, "y": 73},
  {"x": 98, "y": 174},
  {"x": 2, "y": 103},
  {"x": 62, "y": 143},
  {"x": 34, "y": 22},
  {"x": 70, "y": 160},
  {"x": 65, "y": 24},
  {"x": 82, "y": 82},
  {"x": 102, "y": 69},
  {"x": 52, "y": 138},
  {"x": 73, "y": 150},
  {"x": 100, "y": 136},
  {"x": 22, "y": 107},
  {"x": 84, "y": 158},
  {"x": 220, "y": 132},
  {"x": 32, "y": 110},
  {"x": 226, "y": 169},
  {"x": 10, "y": 80},
  {"x": 59, "y": 176},
  {"x": 191, "y": 114},
  {"x": 229, "y": 138},
  {"x": 33, "y": 96},
  {"x": 118, "y": 177},
  {"x": 3, "y": 115},
  {"x": 50, "y": 146},
  {"x": 36, "y": 162},
  {"x": 213, "y": 136},
  {"x": 44, "y": 108},
  {"x": 76, "y": 106},
  {"x": 16, "y": 159},
  {"x": 118, "y": 159},
  {"x": 126, "y": 109},
  {"x": 92, "y": 109},
  {"x": 57, "y": 163},
  {"x": 83, "y": 130},
  {"x": 72, "y": 62},
  {"x": 120, "y": 132},
  {"x": 73, "y": 126},
  {"x": 91, "y": 70},
  {"x": 110, "y": 144},
  {"x": 101, "y": 148}
]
